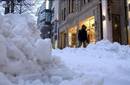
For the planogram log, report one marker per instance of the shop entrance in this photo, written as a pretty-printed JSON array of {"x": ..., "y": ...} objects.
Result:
[
  {"x": 72, "y": 36},
  {"x": 62, "y": 40},
  {"x": 90, "y": 24},
  {"x": 116, "y": 28}
]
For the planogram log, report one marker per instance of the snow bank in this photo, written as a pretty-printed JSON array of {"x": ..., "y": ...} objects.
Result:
[
  {"x": 25, "y": 59},
  {"x": 84, "y": 80},
  {"x": 40, "y": 44},
  {"x": 4, "y": 80},
  {"x": 3, "y": 51},
  {"x": 109, "y": 61},
  {"x": 22, "y": 51}
]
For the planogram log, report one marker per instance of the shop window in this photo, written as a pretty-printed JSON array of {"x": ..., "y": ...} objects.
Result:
[
  {"x": 62, "y": 40},
  {"x": 72, "y": 37},
  {"x": 116, "y": 28},
  {"x": 69, "y": 6},
  {"x": 73, "y": 5},
  {"x": 90, "y": 24},
  {"x": 64, "y": 14}
]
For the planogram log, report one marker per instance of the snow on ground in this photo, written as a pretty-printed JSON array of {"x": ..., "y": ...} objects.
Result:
[
  {"x": 25, "y": 59},
  {"x": 104, "y": 61}
]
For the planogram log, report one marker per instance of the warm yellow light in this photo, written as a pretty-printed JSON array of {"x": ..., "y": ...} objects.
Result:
[
  {"x": 73, "y": 29},
  {"x": 88, "y": 22},
  {"x": 72, "y": 36},
  {"x": 128, "y": 1}
]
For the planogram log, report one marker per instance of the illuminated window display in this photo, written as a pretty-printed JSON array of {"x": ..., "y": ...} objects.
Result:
[
  {"x": 89, "y": 23},
  {"x": 72, "y": 31},
  {"x": 72, "y": 36}
]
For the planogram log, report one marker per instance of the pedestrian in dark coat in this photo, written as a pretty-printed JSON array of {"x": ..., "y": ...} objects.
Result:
[{"x": 82, "y": 36}]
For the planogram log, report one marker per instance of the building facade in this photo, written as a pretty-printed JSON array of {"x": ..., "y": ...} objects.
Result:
[
  {"x": 41, "y": 15},
  {"x": 44, "y": 19},
  {"x": 55, "y": 22},
  {"x": 128, "y": 16},
  {"x": 115, "y": 21},
  {"x": 105, "y": 19},
  {"x": 75, "y": 13}
]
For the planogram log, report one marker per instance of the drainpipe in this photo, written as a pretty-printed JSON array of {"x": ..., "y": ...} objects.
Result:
[
  {"x": 126, "y": 20},
  {"x": 101, "y": 24}
]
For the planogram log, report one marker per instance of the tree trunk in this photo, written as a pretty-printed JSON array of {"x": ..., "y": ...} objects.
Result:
[
  {"x": 7, "y": 7},
  {"x": 12, "y": 6}
]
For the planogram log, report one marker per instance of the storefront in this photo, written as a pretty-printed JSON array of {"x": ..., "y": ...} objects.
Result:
[
  {"x": 72, "y": 36},
  {"x": 90, "y": 16},
  {"x": 128, "y": 6},
  {"x": 90, "y": 24},
  {"x": 63, "y": 38},
  {"x": 73, "y": 31},
  {"x": 114, "y": 21}
]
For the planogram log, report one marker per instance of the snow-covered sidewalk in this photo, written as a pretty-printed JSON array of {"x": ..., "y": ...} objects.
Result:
[{"x": 103, "y": 60}]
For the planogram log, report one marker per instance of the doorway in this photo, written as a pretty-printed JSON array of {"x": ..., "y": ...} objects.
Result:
[
  {"x": 72, "y": 36},
  {"x": 116, "y": 30},
  {"x": 90, "y": 24},
  {"x": 62, "y": 40}
]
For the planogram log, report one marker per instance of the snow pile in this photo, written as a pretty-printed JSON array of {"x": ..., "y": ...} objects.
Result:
[
  {"x": 21, "y": 49},
  {"x": 106, "y": 62},
  {"x": 25, "y": 59},
  {"x": 18, "y": 35}
]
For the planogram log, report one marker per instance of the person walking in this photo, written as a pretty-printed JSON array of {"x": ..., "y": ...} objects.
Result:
[{"x": 82, "y": 36}]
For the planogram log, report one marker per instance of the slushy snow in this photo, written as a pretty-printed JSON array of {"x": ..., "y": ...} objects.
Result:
[{"x": 26, "y": 59}]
